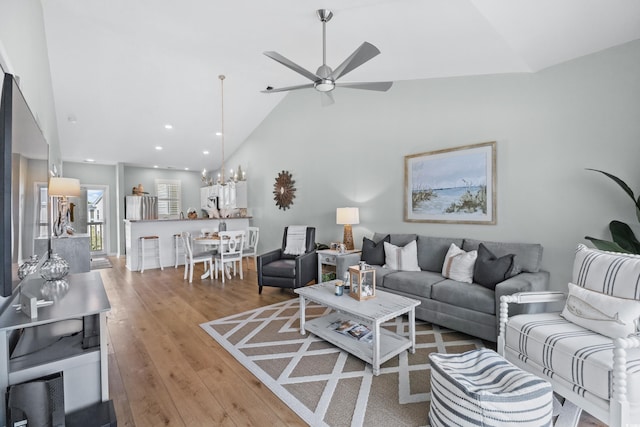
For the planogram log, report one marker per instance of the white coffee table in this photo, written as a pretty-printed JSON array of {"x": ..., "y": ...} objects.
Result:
[{"x": 384, "y": 307}]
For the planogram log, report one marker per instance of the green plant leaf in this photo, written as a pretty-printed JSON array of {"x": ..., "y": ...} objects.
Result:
[
  {"x": 622, "y": 234},
  {"x": 605, "y": 245},
  {"x": 624, "y": 186}
]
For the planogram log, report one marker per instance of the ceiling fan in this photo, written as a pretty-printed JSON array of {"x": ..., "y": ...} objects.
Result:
[{"x": 325, "y": 79}]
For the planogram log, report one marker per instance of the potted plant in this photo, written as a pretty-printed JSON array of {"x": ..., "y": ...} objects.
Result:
[{"x": 623, "y": 238}]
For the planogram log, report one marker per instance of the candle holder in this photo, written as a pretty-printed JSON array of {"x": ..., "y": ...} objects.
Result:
[{"x": 363, "y": 283}]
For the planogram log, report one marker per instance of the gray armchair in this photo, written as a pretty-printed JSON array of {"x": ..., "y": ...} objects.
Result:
[{"x": 275, "y": 268}]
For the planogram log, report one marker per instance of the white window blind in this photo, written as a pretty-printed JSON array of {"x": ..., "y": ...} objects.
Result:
[{"x": 169, "y": 193}]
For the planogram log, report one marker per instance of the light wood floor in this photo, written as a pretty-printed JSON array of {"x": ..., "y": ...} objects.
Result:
[{"x": 164, "y": 369}]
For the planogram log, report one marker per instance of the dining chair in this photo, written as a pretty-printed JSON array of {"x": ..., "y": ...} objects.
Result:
[
  {"x": 251, "y": 246},
  {"x": 190, "y": 259},
  {"x": 231, "y": 244}
]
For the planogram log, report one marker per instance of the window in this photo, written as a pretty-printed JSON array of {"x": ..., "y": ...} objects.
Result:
[{"x": 169, "y": 197}]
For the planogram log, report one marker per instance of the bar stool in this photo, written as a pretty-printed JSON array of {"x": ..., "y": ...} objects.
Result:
[
  {"x": 177, "y": 245},
  {"x": 141, "y": 250}
]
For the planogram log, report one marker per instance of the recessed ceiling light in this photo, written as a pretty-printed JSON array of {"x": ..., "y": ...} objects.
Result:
[
  {"x": 205, "y": 152},
  {"x": 158, "y": 147},
  {"x": 186, "y": 169},
  {"x": 89, "y": 160},
  {"x": 72, "y": 119},
  {"x": 168, "y": 126},
  {"x": 218, "y": 133},
  {"x": 155, "y": 166}
]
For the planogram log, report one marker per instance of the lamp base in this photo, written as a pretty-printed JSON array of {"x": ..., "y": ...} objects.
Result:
[{"x": 347, "y": 238}]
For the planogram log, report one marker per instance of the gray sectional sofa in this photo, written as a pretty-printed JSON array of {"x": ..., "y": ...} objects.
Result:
[{"x": 466, "y": 307}]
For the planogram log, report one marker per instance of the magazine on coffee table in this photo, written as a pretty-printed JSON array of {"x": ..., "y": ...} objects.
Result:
[{"x": 352, "y": 329}]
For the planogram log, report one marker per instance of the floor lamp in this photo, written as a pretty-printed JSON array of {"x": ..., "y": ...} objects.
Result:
[{"x": 347, "y": 217}]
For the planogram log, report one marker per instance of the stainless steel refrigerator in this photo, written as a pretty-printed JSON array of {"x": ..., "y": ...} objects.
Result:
[{"x": 141, "y": 207}]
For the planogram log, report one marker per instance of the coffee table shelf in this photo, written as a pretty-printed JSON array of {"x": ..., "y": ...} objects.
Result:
[
  {"x": 373, "y": 312},
  {"x": 391, "y": 343}
]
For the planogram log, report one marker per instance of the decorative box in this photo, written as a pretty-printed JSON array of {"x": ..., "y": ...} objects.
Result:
[{"x": 363, "y": 283}]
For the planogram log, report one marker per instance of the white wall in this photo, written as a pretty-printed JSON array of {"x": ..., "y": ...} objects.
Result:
[
  {"x": 22, "y": 41},
  {"x": 549, "y": 127}
]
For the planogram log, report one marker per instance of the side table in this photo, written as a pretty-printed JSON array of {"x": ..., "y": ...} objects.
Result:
[{"x": 330, "y": 260}]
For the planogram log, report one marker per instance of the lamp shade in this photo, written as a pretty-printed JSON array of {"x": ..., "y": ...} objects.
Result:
[
  {"x": 64, "y": 187},
  {"x": 347, "y": 216}
]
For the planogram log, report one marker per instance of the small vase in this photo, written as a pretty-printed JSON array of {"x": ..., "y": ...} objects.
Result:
[
  {"x": 55, "y": 268},
  {"x": 222, "y": 226},
  {"x": 28, "y": 267}
]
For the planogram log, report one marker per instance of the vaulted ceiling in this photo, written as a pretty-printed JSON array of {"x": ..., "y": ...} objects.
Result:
[{"x": 123, "y": 69}]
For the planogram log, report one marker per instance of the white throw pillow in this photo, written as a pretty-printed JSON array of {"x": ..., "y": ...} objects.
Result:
[
  {"x": 404, "y": 259},
  {"x": 610, "y": 316},
  {"x": 458, "y": 264}
]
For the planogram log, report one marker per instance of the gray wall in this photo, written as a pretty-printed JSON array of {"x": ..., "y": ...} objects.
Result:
[
  {"x": 146, "y": 176},
  {"x": 92, "y": 174},
  {"x": 549, "y": 126}
]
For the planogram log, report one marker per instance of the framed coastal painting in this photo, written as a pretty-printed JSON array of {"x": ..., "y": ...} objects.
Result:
[{"x": 455, "y": 185}]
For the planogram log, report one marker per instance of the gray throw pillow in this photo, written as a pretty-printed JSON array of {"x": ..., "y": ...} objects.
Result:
[
  {"x": 372, "y": 252},
  {"x": 490, "y": 270}
]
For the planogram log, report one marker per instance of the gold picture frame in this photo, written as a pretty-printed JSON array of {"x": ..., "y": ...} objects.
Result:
[{"x": 454, "y": 185}]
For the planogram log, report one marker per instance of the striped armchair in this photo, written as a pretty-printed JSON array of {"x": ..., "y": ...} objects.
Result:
[{"x": 589, "y": 352}]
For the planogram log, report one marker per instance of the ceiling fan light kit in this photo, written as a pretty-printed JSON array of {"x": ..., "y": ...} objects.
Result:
[{"x": 325, "y": 79}]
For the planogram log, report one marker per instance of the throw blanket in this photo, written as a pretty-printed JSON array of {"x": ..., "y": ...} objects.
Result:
[{"x": 296, "y": 240}]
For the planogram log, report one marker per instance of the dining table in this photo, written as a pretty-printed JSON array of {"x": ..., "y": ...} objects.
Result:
[{"x": 212, "y": 241}]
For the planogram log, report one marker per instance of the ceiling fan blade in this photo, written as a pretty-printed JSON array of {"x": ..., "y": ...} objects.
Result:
[
  {"x": 292, "y": 65},
  {"x": 365, "y": 52},
  {"x": 282, "y": 89},
  {"x": 326, "y": 99},
  {"x": 379, "y": 86}
]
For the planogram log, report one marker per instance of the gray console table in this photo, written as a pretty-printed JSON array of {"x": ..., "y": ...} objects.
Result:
[
  {"x": 85, "y": 370},
  {"x": 75, "y": 249}
]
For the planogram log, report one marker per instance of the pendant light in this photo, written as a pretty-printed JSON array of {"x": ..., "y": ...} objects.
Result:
[{"x": 226, "y": 190}]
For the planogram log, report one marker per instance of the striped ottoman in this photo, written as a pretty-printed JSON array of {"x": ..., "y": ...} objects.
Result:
[{"x": 480, "y": 388}]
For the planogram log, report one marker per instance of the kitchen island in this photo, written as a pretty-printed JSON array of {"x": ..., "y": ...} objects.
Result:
[{"x": 165, "y": 230}]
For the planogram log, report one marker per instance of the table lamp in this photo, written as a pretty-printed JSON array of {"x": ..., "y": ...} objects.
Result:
[
  {"x": 347, "y": 217},
  {"x": 63, "y": 188}
]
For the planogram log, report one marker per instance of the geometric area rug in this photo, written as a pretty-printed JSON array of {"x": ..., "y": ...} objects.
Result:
[{"x": 325, "y": 385}]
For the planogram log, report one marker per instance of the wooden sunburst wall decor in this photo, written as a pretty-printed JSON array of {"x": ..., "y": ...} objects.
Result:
[{"x": 283, "y": 190}]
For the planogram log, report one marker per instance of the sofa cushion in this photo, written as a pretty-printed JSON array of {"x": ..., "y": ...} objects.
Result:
[
  {"x": 578, "y": 357},
  {"x": 458, "y": 264},
  {"x": 417, "y": 283},
  {"x": 373, "y": 252},
  {"x": 401, "y": 258},
  {"x": 466, "y": 295},
  {"x": 490, "y": 270},
  {"x": 432, "y": 250},
  {"x": 395, "y": 239},
  {"x": 610, "y": 273},
  {"x": 381, "y": 274},
  {"x": 610, "y": 316},
  {"x": 527, "y": 255}
]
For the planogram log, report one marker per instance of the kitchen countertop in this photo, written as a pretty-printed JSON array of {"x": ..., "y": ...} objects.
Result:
[{"x": 187, "y": 219}]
